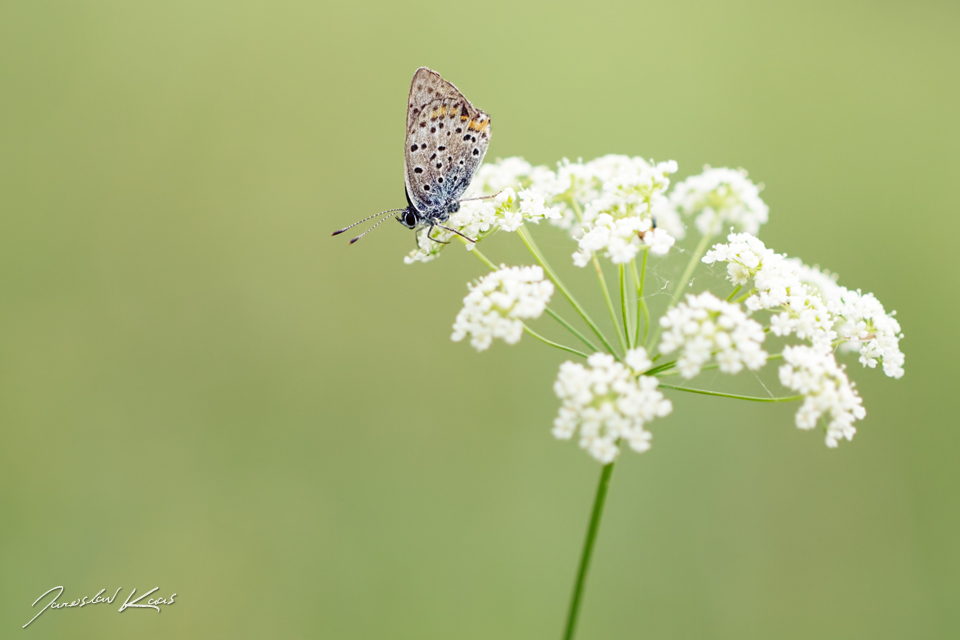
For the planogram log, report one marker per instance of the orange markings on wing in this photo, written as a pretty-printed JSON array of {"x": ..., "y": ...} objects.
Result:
[{"x": 479, "y": 125}]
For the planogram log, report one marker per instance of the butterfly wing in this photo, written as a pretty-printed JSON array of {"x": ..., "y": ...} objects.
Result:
[{"x": 447, "y": 138}]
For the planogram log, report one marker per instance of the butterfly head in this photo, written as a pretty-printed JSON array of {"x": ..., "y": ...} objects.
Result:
[{"x": 409, "y": 218}]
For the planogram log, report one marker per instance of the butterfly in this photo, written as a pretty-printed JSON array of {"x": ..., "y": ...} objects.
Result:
[{"x": 446, "y": 140}]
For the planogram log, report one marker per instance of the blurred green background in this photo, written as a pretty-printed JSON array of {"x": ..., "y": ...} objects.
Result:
[{"x": 201, "y": 390}]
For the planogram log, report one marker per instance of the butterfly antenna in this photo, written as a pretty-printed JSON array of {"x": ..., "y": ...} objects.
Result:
[
  {"x": 456, "y": 232},
  {"x": 484, "y": 197},
  {"x": 339, "y": 231},
  {"x": 379, "y": 222}
]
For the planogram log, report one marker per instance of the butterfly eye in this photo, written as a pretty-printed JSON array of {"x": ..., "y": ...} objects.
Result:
[{"x": 409, "y": 219}]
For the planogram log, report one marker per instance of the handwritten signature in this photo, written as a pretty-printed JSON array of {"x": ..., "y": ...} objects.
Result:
[{"x": 152, "y": 603}]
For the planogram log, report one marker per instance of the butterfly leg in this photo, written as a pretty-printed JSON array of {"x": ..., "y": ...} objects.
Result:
[{"x": 430, "y": 230}]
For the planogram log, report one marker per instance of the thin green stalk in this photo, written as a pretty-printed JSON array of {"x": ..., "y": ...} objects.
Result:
[
  {"x": 659, "y": 371},
  {"x": 684, "y": 279},
  {"x": 642, "y": 311},
  {"x": 734, "y": 292},
  {"x": 731, "y": 395},
  {"x": 572, "y": 329},
  {"x": 554, "y": 344},
  {"x": 532, "y": 248},
  {"x": 609, "y": 301},
  {"x": 553, "y": 313},
  {"x": 579, "y": 586},
  {"x": 745, "y": 296},
  {"x": 482, "y": 257},
  {"x": 691, "y": 265},
  {"x": 623, "y": 308}
]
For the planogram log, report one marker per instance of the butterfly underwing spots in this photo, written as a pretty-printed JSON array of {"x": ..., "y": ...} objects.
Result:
[
  {"x": 426, "y": 187},
  {"x": 414, "y": 147},
  {"x": 451, "y": 161}
]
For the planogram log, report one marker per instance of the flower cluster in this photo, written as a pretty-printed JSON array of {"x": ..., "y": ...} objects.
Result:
[
  {"x": 497, "y": 305},
  {"x": 609, "y": 205},
  {"x": 809, "y": 302},
  {"x": 616, "y": 207},
  {"x": 721, "y": 197},
  {"x": 704, "y": 327},
  {"x": 609, "y": 402},
  {"x": 777, "y": 287},
  {"x": 826, "y": 389}
]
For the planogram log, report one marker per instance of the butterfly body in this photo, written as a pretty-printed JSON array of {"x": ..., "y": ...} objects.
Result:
[{"x": 446, "y": 140}]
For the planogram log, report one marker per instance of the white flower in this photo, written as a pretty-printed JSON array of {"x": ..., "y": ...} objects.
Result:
[
  {"x": 778, "y": 287},
  {"x": 703, "y": 327},
  {"x": 532, "y": 207},
  {"x": 498, "y": 303},
  {"x": 828, "y": 392},
  {"x": 721, "y": 197},
  {"x": 609, "y": 402},
  {"x": 870, "y": 330},
  {"x": 810, "y": 303}
]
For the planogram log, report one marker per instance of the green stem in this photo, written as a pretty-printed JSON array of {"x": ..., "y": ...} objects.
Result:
[
  {"x": 572, "y": 329},
  {"x": 609, "y": 301},
  {"x": 734, "y": 292},
  {"x": 691, "y": 265},
  {"x": 684, "y": 279},
  {"x": 656, "y": 371},
  {"x": 731, "y": 395},
  {"x": 642, "y": 310},
  {"x": 554, "y": 344},
  {"x": 482, "y": 257},
  {"x": 532, "y": 248},
  {"x": 587, "y": 552},
  {"x": 623, "y": 308}
]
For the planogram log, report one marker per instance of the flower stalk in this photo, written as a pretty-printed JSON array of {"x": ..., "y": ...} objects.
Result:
[{"x": 579, "y": 585}]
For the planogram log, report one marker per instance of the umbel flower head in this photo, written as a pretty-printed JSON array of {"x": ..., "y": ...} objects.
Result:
[
  {"x": 706, "y": 327},
  {"x": 497, "y": 305},
  {"x": 826, "y": 389},
  {"x": 619, "y": 211},
  {"x": 609, "y": 402},
  {"x": 719, "y": 198}
]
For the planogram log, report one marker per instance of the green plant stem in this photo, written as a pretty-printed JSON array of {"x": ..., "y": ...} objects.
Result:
[
  {"x": 609, "y": 301},
  {"x": 731, "y": 395},
  {"x": 579, "y": 586},
  {"x": 535, "y": 251},
  {"x": 664, "y": 370},
  {"x": 734, "y": 292},
  {"x": 623, "y": 308},
  {"x": 691, "y": 265},
  {"x": 642, "y": 311},
  {"x": 684, "y": 279},
  {"x": 554, "y": 344},
  {"x": 484, "y": 259},
  {"x": 573, "y": 330}
]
